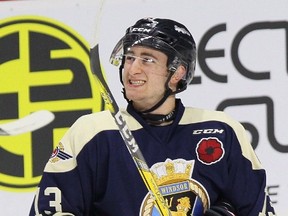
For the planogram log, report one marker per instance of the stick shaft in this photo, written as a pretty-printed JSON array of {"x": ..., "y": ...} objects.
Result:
[{"x": 127, "y": 135}]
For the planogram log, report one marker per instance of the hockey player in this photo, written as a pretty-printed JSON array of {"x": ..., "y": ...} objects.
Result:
[{"x": 201, "y": 160}]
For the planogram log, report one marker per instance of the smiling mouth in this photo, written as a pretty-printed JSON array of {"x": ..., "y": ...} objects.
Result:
[{"x": 136, "y": 82}]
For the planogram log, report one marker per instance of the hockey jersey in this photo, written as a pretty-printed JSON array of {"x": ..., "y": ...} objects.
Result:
[{"x": 201, "y": 157}]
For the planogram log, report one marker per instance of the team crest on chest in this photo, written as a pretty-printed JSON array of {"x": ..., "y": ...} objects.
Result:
[{"x": 183, "y": 195}]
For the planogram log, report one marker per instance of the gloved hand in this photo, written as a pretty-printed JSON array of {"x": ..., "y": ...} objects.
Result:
[{"x": 221, "y": 208}]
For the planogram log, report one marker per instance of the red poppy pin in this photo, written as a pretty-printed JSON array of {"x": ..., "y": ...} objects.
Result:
[{"x": 210, "y": 150}]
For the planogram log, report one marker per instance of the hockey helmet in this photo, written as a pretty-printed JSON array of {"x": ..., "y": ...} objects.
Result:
[{"x": 165, "y": 35}]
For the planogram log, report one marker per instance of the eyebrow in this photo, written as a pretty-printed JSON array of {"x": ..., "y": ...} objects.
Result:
[{"x": 143, "y": 54}]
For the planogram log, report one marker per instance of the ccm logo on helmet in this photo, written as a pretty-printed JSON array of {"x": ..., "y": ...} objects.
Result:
[
  {"x": 208, "y": 131},
  {"x": 140, "y": 30}
]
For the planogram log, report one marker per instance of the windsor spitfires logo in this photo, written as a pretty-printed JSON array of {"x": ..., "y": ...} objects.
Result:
[
  {"x": 44, "y": 65},
  {"x": 183, "y": 195}
]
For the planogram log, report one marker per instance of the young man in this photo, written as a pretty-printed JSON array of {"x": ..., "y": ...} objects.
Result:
[{"x": 201, "y": 160}]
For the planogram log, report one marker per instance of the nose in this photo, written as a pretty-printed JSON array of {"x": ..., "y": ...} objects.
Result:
[{"x": 135, "y": 67}]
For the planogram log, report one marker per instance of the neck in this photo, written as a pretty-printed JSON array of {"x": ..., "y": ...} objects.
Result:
[
  {"x": 163, "y": 115},
  {"x": 166, "y": 107}
]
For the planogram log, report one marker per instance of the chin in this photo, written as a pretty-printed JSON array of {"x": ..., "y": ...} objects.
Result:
[
  {"x": 132, "y": 95},
  {"x": 132, "y": 98}
]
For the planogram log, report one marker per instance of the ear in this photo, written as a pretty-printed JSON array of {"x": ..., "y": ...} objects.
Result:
[{"x": 178, "y": 74}]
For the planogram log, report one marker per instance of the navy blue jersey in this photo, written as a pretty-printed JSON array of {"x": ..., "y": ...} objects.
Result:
[{"x": 201, "y": 157}]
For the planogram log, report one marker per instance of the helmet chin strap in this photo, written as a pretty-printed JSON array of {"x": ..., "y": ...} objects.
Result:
[
  {"x": 155, "y": 119},
  {"x": 167, "y": 93}
]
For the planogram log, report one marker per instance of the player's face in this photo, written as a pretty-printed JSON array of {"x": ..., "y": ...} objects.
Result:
[{"x": 144, "y": 76}]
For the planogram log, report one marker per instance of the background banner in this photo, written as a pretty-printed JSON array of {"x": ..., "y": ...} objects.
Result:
[{"x": 44, "y": 66}]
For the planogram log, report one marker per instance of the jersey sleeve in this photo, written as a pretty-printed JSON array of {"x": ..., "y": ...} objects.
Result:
[
  {"x": 66, "y": 184},
  {"x": 247, "y": 178}
]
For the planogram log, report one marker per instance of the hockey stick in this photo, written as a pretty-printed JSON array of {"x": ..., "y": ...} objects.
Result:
[
  {"x": 126, "y": 134},
  {"x": 29, "y": 123}
]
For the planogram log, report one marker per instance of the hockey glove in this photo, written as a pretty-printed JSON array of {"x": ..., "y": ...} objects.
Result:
[{"x": 222, "y": 208}]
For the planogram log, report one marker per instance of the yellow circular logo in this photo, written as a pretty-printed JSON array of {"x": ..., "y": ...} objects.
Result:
[{"x": 46, "y": 84}]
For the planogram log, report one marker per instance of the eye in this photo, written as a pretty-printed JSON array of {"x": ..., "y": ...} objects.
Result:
[
  {"x": 148, "y": 60},
  {"x": 145, "y": 60},
  {"x": 130, "y": 58}
]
